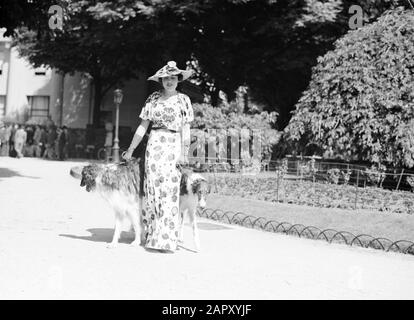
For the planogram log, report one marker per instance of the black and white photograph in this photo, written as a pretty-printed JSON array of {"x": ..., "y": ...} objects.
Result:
[{"x": 200, "y": 150}]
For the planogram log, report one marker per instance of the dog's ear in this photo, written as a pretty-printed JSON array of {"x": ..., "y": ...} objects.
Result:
[
  {"x": 195, "y": 185},
  {"x": 82, "y": 183}
]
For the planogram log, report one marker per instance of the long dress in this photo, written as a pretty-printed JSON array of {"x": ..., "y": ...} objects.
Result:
[{"x": 162, "y": 178}]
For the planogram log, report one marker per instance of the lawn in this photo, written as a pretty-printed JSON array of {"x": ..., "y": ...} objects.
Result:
[
  {"x": 318, "y": 194},
  {"x": 393, "y": 226}
]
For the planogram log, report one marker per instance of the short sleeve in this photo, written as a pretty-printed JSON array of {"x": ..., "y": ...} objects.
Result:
[
  {"x": 188, "y": 113},
  {"x": 146, "y": 112}
]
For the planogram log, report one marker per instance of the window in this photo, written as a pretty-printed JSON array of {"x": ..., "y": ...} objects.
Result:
[
  {"x": 41, "y": 71},
  {"x": 2, "y": 105},
  {"x": 39, "y": 106}
]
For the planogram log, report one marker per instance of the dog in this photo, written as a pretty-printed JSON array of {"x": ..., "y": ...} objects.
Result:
[
  {"x": 193, "y": 190},
  {"x": 122, "y": 186}
]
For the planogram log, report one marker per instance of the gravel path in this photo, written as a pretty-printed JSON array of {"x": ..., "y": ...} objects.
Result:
[{"x": 53, "y": 238}]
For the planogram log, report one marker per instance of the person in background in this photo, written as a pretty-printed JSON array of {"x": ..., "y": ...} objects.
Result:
[
  {"x": 56, "y": 149},
  {"x": 20, "y": 138},
  {"x": 66, "y": 146},
  {"x": 62, "y": 141},
  {"x": 12, "y": 151},
  {"x": 50, "y": 144},
  {"x": 2, "y": 135},
  {"x": 5, "y": 145},
  {"x": 43, "y": 141},
  {"x": 36, "y": 141},
  {"x": 29, "y": 148}
]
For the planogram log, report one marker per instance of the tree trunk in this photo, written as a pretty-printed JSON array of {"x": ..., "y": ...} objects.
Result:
[
  {"x": 97, "y": 101},
  {"x": 246, "y": 103},
  {"x": 215, "y": 97}
]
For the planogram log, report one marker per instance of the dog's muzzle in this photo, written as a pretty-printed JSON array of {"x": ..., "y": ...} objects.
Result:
[{"x": 202, "y": 203}]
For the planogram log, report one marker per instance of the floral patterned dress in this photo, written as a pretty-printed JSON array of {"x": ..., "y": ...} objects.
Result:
[{"x": 162, "y": 177}]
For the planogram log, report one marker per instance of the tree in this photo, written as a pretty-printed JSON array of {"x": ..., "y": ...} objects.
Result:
[
  {"x": 360, "y": 101},
  {"x": 268, "y": 46},
  {"x": 90, "y": 45}
]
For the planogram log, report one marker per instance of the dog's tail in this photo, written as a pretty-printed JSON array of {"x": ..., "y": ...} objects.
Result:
[{"x": 76, "y": 172}]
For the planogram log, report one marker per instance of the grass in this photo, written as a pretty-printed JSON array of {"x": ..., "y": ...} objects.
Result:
[{"x": 393, "y": 226}]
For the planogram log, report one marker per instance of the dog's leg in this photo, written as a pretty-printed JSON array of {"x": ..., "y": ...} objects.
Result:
[
  {"x": 135, "y": 218},
  {"x": 193, "y": 221},
  {"x": 117, "y": 231}
]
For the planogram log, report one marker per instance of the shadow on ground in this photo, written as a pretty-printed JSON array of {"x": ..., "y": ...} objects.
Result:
[
  {"x": 106, "y": 234},
  {"x": 102, "y": 235},
  {"x": 211, "y": 226},
  {"x": 8, "y": 173}
]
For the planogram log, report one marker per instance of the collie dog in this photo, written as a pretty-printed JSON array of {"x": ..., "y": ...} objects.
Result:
[
  {"x": 122, "y": 186},
  {"x": 193, "y": 190}
]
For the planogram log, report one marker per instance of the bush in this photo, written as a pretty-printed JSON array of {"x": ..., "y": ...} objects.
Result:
[
  {"x": 376, "y": 174},
  {"x": 209, "y": 117},
  {"x": 346, "y": 175},
  {"x": 360, "y": 102},
  {"x": 333, "y": 175},
  {"x": 410, "y": 180}
]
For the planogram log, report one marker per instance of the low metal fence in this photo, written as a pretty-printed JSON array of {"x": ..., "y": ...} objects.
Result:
[{"x": 309, "y": 232}]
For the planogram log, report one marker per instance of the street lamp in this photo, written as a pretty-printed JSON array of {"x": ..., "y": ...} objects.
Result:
[{"x": 117, "y": 99}]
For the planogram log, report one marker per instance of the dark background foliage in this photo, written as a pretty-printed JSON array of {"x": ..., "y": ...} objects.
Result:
[{"x": 268, "y": 46}]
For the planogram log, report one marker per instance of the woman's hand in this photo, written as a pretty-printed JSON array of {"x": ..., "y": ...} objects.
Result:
[{"x": 128, "y": 155}]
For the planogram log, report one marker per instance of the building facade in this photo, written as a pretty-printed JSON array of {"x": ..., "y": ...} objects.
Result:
[{"x": 34, "y": 95}]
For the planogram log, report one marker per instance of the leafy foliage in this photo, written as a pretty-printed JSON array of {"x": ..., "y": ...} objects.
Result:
[
  {"x": 89, "y": 45},
  {"x": 410, "y": 180},
  {"x": 360, "y": 101},
  {"x": 333, "y": 175},
  {"x": 346, "y": 175},
  {"x": 23, "y": 13},
  {"x": 376, "y": 174},
  {"x": 268, "y": 46},
  {"x": 208, "y": 117}
]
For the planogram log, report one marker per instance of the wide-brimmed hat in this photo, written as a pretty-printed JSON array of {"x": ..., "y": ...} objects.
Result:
[{"x": 170, "y": 69}]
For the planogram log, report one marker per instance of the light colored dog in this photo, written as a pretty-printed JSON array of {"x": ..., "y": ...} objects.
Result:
[
  {"x": 121, "y": 186},
  {"x": 193, "y": 190}
]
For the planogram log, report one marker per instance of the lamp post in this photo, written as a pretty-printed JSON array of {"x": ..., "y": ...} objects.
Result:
[{"x": 117, "y": 99}]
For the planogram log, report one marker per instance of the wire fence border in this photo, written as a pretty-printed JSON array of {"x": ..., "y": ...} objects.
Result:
[{"x": 308, "y": 232}]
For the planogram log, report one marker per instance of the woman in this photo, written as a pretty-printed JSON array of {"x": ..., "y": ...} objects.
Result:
[{"x": 170, "y": 113}]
